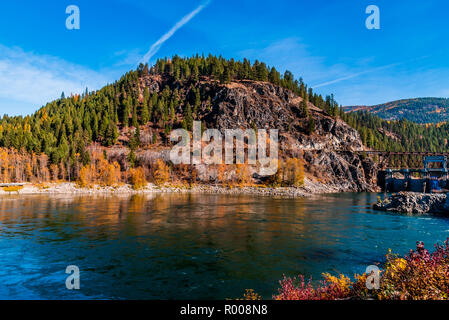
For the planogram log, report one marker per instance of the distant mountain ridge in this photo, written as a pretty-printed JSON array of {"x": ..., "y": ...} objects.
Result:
[{"x": 420, "y": 110}]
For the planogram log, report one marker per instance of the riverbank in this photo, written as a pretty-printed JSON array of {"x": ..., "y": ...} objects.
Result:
[
  {"x": 310, "y": 188},
  {"x": 414, "y": 203}
]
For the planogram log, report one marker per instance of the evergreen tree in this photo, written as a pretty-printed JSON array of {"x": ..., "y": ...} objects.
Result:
[
  {"x": 111, "y": 134},
  {"x": 144, "y": 116},
  {"x": 310, "y": 125},
  {"x": 125, "y": 114},
  {"x": 135, "y": 123},
  {"x": 188, "y": 119}
]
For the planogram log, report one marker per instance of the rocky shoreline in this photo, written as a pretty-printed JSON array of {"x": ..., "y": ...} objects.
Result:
[
  {"x": 310, "y": 188},
  {"x": 414, "y": 203}
]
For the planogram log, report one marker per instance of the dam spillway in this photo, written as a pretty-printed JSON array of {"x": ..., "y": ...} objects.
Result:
[{"x": 432, "y": 178}]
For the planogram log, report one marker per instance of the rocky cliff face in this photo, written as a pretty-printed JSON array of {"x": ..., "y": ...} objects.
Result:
[{"x": 248, "y": 104}]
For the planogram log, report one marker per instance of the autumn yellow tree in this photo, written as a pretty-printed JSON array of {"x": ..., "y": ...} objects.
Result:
[
  {"x": 221, "y": 172},
  {"x": 161, "y": 172},
  {"x": 243, "y": 174},
  {"x": 294, "y": 172},
  {"x": 277, "y": 179},
  {"x": 290, "y": 173},
  {"x": 99, "y": 171},
  {"x": 4, "y": 165},
  {"x": 87, "y": 176},
  {"x": 108, "y": 174},
  {"x": 54, "y": 171},
  {"x": 138, "y": 180}
]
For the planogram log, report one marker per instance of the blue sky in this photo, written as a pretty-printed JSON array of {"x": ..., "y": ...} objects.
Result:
[{"x": 323, "y": 41}]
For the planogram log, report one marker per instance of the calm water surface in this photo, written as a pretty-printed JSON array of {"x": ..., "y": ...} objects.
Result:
[{"x": 192, "y": 246}]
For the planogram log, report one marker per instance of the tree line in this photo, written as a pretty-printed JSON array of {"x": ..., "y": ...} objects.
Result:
[{"x": 54, "y": 141}]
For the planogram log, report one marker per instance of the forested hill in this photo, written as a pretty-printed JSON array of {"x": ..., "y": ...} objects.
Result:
[
  {"x": 419, "y": 110},
  {"x": 64, "y": 127},
  {"x": 128, "y": 122}
]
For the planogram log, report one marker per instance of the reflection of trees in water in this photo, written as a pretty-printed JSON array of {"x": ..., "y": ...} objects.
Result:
[
  {"x": 204, "y": 211},
  {"x": 239, "y": 223},
  {"x": 188, "y": 232}
]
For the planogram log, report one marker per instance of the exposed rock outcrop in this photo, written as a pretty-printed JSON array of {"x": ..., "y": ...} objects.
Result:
[
  {"x": 415, "y": 203},
  {"x": 249, "y": 104}
]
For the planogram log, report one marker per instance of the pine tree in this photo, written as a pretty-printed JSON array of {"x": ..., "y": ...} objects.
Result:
[
  {"x": 125, "y": 113},
  {"x": 144, "y": 116},
  {"x": 132, "y": 159},
  {"x": 262, "y": 72},
  {"x": 134, "y": 122},
  {"x": 111, "y": 134},
  {"x": 274, "y": 76},
  {"x": 172, "y": 111},
  {"x": 195, "y": 73},
  {"x": 188, "y": 119},
  {"x": 225, "y": 77},
  {"x": 137, "y": 136},
  {"x": 304, "y": 108},
  {"x": 154, "y": 139},
  {"x": 310, "y": 125},
  {"x": 197, "y": 103}
]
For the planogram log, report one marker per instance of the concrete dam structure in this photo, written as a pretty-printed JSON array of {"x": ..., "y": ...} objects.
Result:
[{"x": 433, "y": 178}]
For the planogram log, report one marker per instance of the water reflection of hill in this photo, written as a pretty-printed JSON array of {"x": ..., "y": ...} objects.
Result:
[{"x": 182, "y": 246}]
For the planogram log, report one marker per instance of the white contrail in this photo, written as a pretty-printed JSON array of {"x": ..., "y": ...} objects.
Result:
[
  {"x": 354, "y": 75},
  {"x": 157, "y": 45},
  {"x": 350, "y": 76}
]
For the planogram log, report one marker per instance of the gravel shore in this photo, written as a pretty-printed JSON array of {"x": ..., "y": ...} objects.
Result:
[{"x": 308, "y": 189}]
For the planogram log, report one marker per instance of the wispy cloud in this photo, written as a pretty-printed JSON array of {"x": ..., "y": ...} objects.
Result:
[
  {"x": 354, "y": 75},
  {"x": 371, "y": 70},
  {"x": 157, "y": 45},
  {"x": 356, "y": 81},
  {"x": 127, "y": 57},
  {"x": 294, "y": 55},
  {"x": 30, "y": 80}
]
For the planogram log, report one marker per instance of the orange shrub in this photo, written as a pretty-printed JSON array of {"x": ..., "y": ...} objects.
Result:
[
  {"x": 4, "y": 165},
  {"x": 221, "y": 172},
  {"x": 138, "y": 180},
  {"x": 294, "y": 172},
  {"x": 290, "y": 173},
  {"x": 54, "y": 171},
  {"x": 13, "y": 188},
  {"x": 161, "y": 173},
  {"x": 108, "y": 173},
  {"x": 29, "y": 172},
  {"x": 99, "y": 171},
  {"x": 251, "y": 295},
  {"x": 87, "y": 176},
  {"x": 243, "y": 174}
]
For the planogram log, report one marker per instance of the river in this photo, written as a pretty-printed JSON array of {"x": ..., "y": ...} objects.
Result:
[{"x": 192, "y": 246}]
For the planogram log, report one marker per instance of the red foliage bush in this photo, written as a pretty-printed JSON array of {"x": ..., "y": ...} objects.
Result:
[
  {"x": 418, "y": 276},
  {"x": 332, "y": 288}
]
